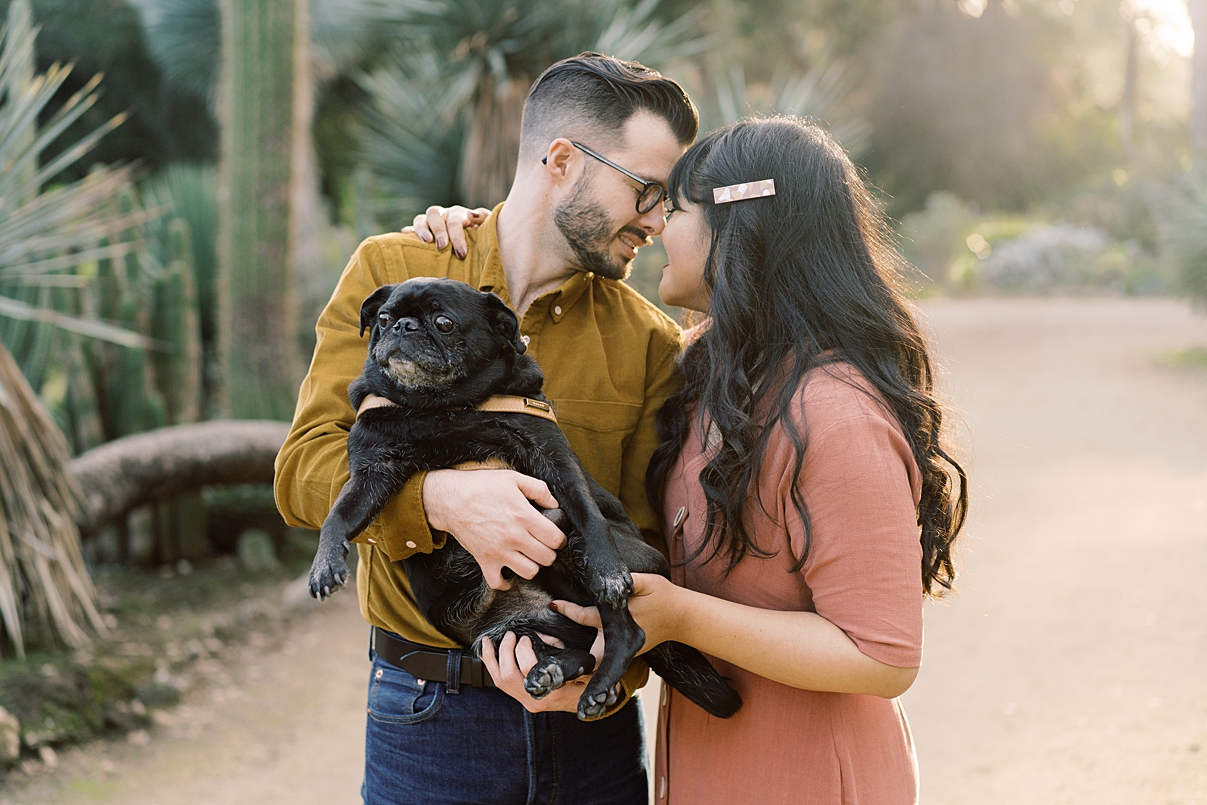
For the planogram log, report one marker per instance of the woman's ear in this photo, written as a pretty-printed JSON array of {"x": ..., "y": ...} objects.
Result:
[
  {"x": 505, "y": 322},
  {"x": 372, "y": 304}
]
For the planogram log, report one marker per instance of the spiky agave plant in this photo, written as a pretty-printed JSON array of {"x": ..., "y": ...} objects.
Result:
[
  {"x": 454, "y": 94},
  {"x": 44, "y": 236}
]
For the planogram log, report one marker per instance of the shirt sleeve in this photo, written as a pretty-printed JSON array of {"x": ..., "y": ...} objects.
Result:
[
  {"x": 864, "y": 558},
  {"x": 312, "y": 466}
]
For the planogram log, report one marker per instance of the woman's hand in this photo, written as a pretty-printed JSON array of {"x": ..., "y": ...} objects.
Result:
[
  {"x": 447, "y": 225},
  {"x": 515, "y": 658},
  {"x": 654, "y": 605}
]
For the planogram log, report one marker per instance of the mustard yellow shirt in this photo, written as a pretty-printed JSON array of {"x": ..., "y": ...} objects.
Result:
[{"x": 609, "y": 361}]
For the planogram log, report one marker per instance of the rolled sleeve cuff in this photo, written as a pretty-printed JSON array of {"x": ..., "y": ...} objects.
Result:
[{"x": 402, "y": 528}]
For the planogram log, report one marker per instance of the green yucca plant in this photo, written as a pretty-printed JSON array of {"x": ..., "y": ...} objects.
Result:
[{"x": 52, "y": 243}]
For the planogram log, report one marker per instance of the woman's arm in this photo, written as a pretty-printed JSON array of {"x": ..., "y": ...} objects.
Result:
[{"x": 799, "y": 649}]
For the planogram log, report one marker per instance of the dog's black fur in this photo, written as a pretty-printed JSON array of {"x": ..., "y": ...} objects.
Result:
[{"x": 438, "y": 348}]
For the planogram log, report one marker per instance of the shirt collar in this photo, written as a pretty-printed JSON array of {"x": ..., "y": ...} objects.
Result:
[{"x": 493, "y": 280}]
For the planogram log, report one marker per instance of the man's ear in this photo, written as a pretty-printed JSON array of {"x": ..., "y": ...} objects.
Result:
[
  {"x": 372, "y": 304},
  {"x": 557, "y": 159},
  {"x": 505, "y": 322}
]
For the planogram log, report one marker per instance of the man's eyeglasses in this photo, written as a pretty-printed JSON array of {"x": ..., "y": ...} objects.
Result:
[{"x": 651, "y": 194}]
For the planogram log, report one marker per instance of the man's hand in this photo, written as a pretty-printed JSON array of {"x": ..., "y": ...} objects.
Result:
[
  {"x": 510, "y": 666},
  {"x": 489, "y": 513},
  {"x": 448, "y": 225}
]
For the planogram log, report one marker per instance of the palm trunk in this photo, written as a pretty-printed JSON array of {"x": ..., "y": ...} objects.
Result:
[
  {"x": 488, "y": 158},
  {"x": 44, "y": 588}
]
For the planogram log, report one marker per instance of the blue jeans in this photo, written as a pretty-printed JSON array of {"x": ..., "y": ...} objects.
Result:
[{"x": 424, "y": 744}]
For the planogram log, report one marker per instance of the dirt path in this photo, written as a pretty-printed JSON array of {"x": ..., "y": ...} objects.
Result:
[{"x": 1072, "y": 667}]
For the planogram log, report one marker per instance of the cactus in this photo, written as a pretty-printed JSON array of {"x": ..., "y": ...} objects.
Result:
[{"x": 264, "y": 113}]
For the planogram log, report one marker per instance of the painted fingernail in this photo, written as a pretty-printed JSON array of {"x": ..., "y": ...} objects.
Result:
[
  {"x": 425, "y": 237},
  {"x": 461, "y": 254},
  {"x": 441, "y": 242},
  {"x": 553, "y": 606}
]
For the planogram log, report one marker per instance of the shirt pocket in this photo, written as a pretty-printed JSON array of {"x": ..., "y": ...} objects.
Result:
[{"x": 599, "y": 433}]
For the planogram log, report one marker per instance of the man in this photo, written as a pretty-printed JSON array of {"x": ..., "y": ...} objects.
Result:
[{"x": 599, "y": 138}]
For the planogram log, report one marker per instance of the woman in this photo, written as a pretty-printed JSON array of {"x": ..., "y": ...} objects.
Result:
[{"x": 806, "y": 497}]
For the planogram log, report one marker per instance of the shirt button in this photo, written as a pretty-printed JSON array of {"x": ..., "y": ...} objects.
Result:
[
  {"x": 525, "y": 339},
  {"x": 411, "y": 544},
  {"x": 557, "y": 310},
  {"x": 679, "y": 516}
]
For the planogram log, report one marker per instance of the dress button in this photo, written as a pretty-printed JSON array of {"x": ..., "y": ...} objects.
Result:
[
  {"x": 680, "y": 516},
  {"x": 662, "y": 787},
  {"x": 557, "y": 310},
  {"x": 411, "y": 544},
  {"x": 666, "y": 694}
]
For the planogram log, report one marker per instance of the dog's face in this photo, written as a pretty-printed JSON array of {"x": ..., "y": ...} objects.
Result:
[{"x": 430, "y": 334}]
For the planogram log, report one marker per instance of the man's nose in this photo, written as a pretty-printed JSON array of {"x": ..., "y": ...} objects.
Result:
[{"x": 653, "y": 222}]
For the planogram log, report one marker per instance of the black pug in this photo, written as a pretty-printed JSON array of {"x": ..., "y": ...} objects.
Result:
[{"x": 438, "y": 349}]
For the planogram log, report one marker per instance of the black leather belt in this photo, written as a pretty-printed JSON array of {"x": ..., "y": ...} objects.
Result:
[{"x": 451, "y": 666}]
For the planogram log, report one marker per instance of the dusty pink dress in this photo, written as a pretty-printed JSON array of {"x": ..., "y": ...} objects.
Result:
[{"x": 863, "y": 573}]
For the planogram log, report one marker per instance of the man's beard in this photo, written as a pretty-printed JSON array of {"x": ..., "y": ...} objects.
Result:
[{"x": 588, "y": 230}]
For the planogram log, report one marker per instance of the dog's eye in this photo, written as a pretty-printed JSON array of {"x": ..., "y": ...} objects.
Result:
[
  {"x": 383, "y": 319},
  {"x": 444, "y": 324}
]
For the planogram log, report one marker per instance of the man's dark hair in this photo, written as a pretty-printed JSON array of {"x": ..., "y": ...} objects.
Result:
[{"x": 592, "y": 96}]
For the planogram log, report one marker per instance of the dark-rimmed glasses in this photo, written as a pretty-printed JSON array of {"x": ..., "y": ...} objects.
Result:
[{"x": 651, "y": 194}]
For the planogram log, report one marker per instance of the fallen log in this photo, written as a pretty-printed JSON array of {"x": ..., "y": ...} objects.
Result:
[{"x": 146, "y": 467}]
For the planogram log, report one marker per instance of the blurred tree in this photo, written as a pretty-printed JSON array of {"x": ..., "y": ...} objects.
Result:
[
  {"x": 1198, "y": 79},
  {"x": 106, "y": 36},
  {"x": 972, "y": 105}
]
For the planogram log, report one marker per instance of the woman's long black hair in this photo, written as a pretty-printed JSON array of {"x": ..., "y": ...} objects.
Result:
[{"x": 803, "y": 278}]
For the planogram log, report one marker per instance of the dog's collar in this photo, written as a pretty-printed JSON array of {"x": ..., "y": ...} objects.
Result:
[{"x": 505, "y": 403}]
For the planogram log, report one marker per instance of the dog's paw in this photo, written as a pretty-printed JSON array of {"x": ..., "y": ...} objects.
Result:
[
  {"x": 596, "y": 700},
  {"x": 329, "y": 571},
  {"x": 612, "y": 587},
  {"x": 544, "y": 678}
]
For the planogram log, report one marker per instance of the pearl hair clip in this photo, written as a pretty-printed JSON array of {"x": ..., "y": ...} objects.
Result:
[{"x": 741, "y": 192}]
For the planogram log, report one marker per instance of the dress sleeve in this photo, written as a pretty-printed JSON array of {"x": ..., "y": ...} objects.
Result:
[
  {"x": 859, "y": 482},
  {"x": 312, "y": 466}
]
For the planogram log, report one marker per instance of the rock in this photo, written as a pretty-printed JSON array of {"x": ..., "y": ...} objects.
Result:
[
  {"x": 256, "y": 550},
  {"x": 155, "y": 694},
  {"x": 10, "y": 739},
  {"x": 48, "y": 756}
]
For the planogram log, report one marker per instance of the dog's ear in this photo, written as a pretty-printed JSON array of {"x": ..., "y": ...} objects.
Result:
[
  {"x": 372, "y": 304},
  {"x": 504, "y": 321}
]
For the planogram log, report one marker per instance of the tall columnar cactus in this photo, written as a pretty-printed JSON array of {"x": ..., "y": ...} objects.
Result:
[{"x": 263, "y": 109}]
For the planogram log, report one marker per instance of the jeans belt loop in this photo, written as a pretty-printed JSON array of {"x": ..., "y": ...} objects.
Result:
[{"x": 453, "y": 675}]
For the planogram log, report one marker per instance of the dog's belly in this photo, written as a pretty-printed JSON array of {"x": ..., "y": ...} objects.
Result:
[{"x": 452, "y": 593}]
